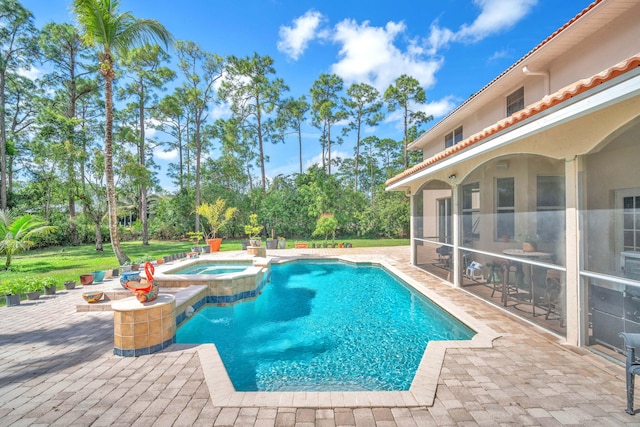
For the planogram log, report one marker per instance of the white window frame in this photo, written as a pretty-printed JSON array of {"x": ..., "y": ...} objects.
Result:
[
  {"x": 453, "y": 137},
  {"x": 515, "y": 101}
]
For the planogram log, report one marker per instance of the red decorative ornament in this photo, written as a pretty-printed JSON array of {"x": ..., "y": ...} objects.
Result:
[{"x": 148, "y": 291}]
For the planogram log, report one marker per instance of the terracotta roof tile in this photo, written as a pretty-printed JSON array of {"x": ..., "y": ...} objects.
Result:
[{"x": 552, "y": 100}]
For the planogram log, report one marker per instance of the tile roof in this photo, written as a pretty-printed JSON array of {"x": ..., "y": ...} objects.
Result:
[{"x": 552, "y": 100}]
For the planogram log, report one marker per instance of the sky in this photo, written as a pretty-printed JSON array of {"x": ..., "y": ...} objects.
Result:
[{"x": 452, "y": 47}]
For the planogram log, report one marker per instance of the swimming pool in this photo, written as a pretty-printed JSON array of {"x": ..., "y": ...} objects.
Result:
[{"x": 324, "y": 326}]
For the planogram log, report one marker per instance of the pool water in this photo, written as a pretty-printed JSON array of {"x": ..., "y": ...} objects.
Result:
[
  {"x": 324, "y": 326},
  {"x": 213, "y": 269}
]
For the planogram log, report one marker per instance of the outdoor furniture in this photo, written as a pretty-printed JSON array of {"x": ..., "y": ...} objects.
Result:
[
  {"x": 444, "y": 256},
  {"x": 520, "y": 272},
  {"x": 474, "y": 271},
  {"x": 554, "y": 295},
  {"x": 631, "y": 343},
  {"x": 494, "y": 279}
]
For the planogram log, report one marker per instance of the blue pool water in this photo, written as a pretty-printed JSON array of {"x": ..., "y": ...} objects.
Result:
[
  {"x": 323, "y": 326},
  {"x": 213, "y": 269}
]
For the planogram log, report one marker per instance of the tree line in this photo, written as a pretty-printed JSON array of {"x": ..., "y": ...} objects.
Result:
[{"x": 74, "y": 144}]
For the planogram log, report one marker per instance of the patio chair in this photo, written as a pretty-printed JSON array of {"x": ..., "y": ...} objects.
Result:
[
  {"x": 554, "y": 293},
  {"x": 631, "y": 344},
  {"x": 444, "y": 256}
]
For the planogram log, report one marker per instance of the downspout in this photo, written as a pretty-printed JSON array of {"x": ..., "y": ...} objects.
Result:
[{"x": 544, "y": 74}]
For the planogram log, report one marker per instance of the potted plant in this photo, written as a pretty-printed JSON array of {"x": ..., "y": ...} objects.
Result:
[
  {"x": 272, "y": 244},
  {"x": 529, "y": 243},
  {"x": 252, "y": 230},
  {"x": 125, "y": 267},
  {"x": 33, "y": 288},
  {"x": 69, "y": 284},
  {"x": 86, "y": 279},
  {"x": 49, "y": 286},
  {"x": 217, "y": 215},
  {"x": 12, "y": 289},
  {"x": 98, "y": 276},
  {"x": 282, "y": 243},
  {"x": 195, "y": 237}
]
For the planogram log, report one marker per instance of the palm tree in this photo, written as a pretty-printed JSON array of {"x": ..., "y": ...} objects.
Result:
[
  {"x": 113, "y": 33},
  {"x": 16, "y": 233}
]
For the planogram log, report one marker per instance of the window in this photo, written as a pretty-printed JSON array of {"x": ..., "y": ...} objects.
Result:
[
  {"x": 444, "y": 220},
  {"x": 453, "y": 137},
  {"x": 505, "y": 208},
  {"x": 515, "y": 101},
  {"x": 631, "y": 223},
  {"x": 550, "y": 207},
  {"x": 470, "y": 212}
]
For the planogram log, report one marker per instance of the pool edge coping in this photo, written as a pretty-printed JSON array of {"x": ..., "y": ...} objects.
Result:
[{"x": 421, "y": 393}]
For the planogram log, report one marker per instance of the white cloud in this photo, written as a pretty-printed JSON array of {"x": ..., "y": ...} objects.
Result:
[
  {"x": 440, "y": 108},
  {"x": 317, "y": 159},
  {"x": 165, "y": 155},
  {"x": 437, "y": 109},
  {"x": 369, "y": 54},
  {"x": 32, "y": 73},
  {"x": 504, "y": 53},
  {"x": 295, "y": 39},
  {"x": 495, "y": 16},
  {"x": 220, "y": 111}
]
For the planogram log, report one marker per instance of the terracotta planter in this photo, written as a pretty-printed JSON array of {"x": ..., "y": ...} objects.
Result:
[
  {"x": 86, "y": 279},
  {"x": 214, "y": 244},
  {"x": 529, "y": 247}
]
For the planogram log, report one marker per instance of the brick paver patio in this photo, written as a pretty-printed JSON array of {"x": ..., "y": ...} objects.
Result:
[{"x": 57, "y": 368}]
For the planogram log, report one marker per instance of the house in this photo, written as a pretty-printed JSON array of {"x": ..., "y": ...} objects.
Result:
[{"x": 536, "y": 180}]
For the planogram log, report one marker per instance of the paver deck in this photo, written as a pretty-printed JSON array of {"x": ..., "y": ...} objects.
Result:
[{"x": 57, "y": 368}]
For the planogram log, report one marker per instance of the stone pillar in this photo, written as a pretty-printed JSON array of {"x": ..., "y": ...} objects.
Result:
[{"x": 143, "y": 328}]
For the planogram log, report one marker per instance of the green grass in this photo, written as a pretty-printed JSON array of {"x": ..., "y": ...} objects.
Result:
[{"x": 69, "y": 262}]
